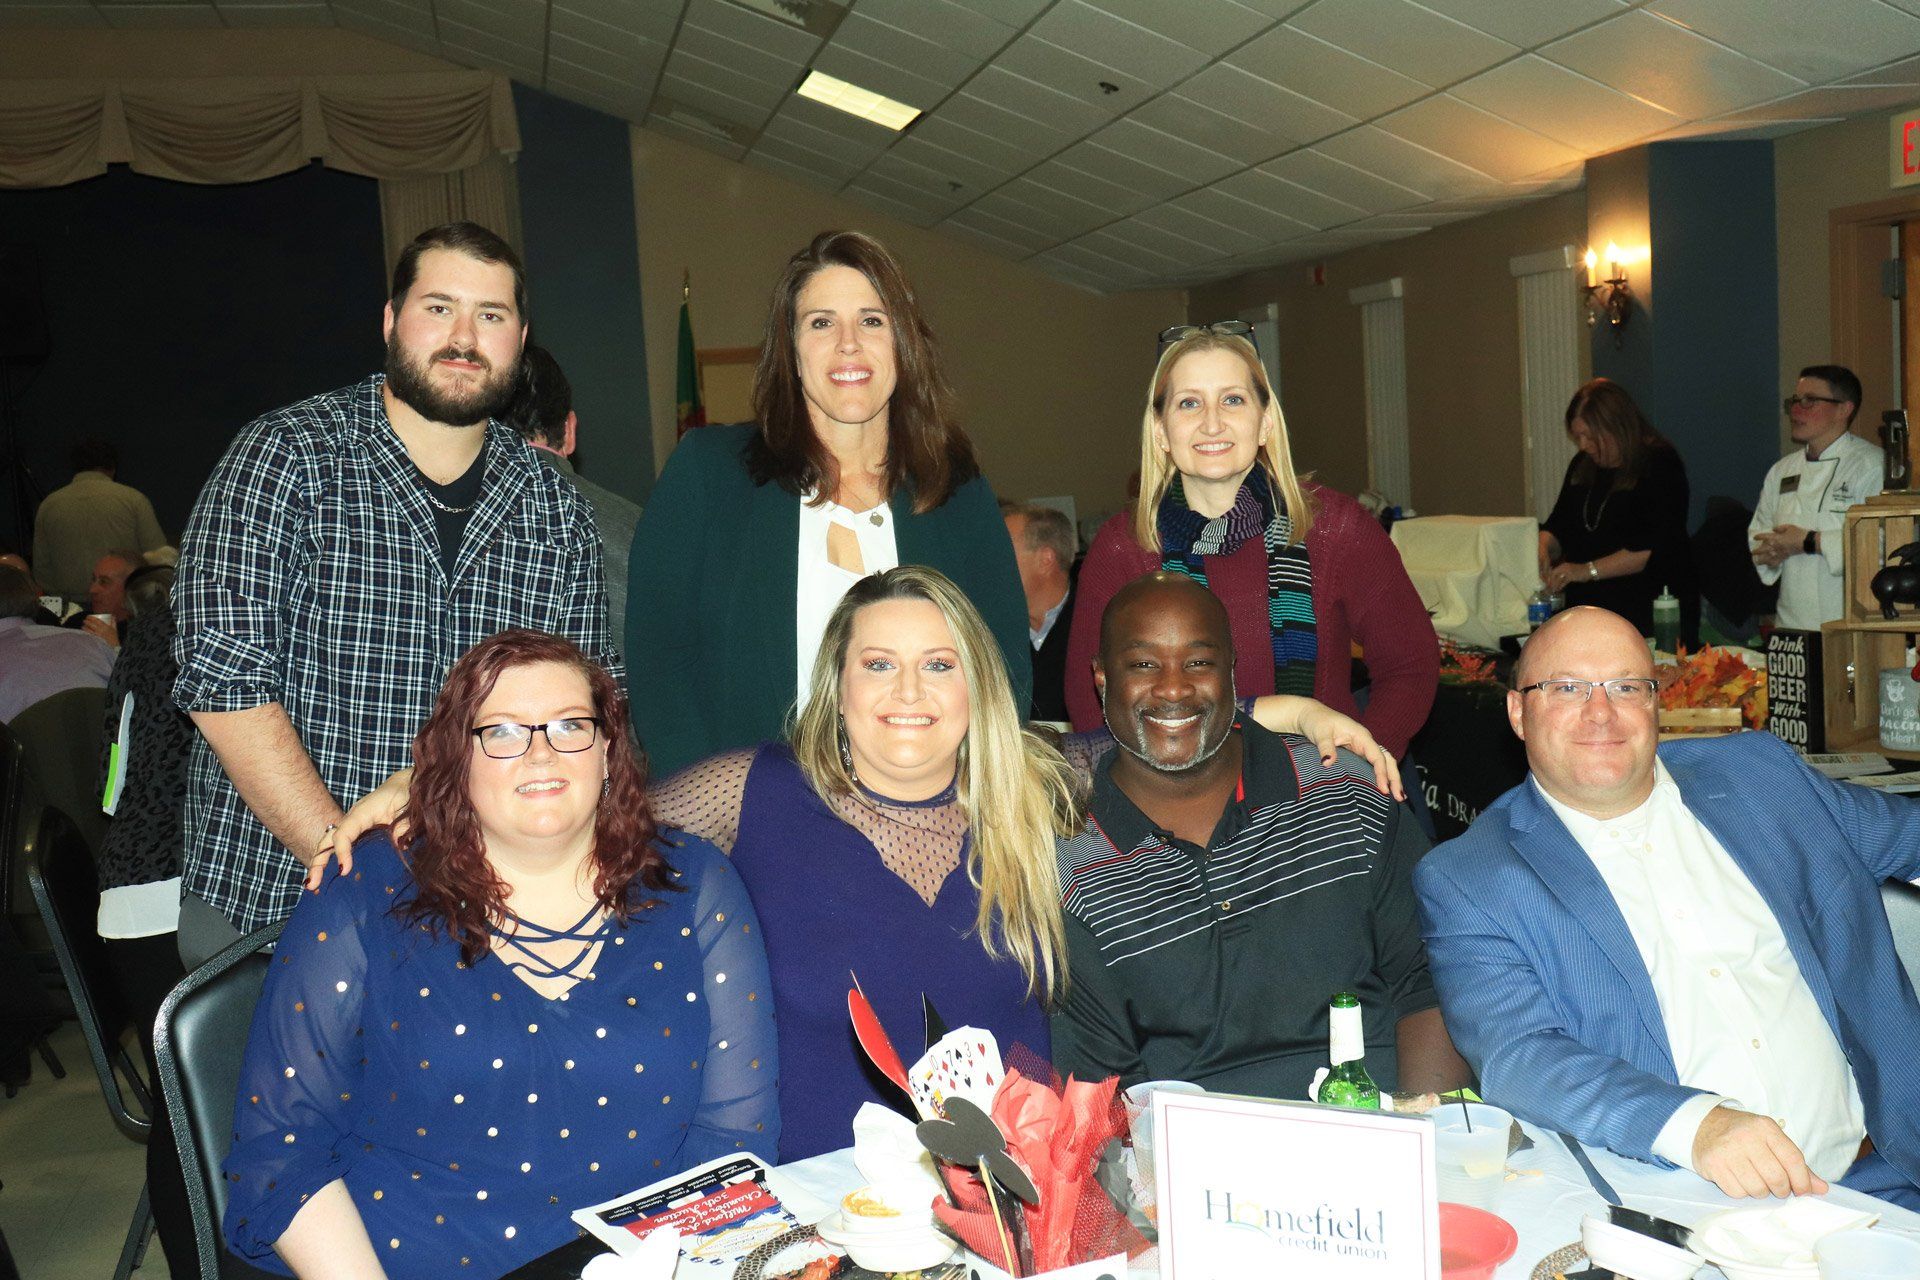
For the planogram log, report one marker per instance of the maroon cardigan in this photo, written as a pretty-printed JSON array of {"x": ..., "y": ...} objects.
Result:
[{"x": 1361, "y": 593}]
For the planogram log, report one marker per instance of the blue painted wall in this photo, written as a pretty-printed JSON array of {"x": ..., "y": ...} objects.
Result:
[
  {"x": 583, "y": 279},
  {"x": 1716, "y": 323}
]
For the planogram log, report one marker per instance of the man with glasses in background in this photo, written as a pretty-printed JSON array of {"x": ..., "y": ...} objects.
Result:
[
  {"x": 1797, "y": 530},
  {"x": 1680, "y": 955}
]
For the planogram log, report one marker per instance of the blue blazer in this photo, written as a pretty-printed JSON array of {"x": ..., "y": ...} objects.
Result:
[{"x": 1545, "y": 992}]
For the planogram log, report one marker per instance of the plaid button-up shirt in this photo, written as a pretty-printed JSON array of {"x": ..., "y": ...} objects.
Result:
[{"x": 310, "y": 576}]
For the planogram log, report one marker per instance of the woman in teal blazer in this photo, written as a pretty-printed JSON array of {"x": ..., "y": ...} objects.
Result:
[{"x": 856, "y": 426}]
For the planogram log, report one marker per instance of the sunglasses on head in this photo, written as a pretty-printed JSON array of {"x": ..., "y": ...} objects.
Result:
[{"x": 1219, "y": 328}]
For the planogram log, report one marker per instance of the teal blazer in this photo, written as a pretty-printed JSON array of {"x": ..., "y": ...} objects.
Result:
[{"x": 710, "y": 597}]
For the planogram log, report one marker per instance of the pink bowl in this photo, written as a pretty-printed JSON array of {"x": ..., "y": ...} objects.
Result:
[{"x": 1473, "y": 1242}]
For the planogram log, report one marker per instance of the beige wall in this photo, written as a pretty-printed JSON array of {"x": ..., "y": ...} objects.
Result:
[
  {"x": 1051, "y": 378},
  {"x": 1463, "y": 353},
  {"x": 1814, "y": 173}
]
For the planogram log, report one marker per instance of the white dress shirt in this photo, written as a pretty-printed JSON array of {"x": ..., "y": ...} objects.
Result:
[
  {"x": 1814, "y": 493},
  {"x": 822, "y": 582},
  {"x": 1741, "y": 1021}
]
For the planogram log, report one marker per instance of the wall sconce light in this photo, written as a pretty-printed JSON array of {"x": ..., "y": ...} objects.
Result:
[{"x": 1611, "y": 297}]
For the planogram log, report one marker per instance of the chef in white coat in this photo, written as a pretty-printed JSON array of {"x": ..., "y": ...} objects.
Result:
[{"x": 1798, "y": 528}]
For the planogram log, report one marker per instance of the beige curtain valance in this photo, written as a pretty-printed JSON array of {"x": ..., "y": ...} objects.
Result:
[{"x": 232, "y": 129}]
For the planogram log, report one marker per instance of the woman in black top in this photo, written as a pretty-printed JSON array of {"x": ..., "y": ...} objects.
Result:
[{"x": 1618, "y": 531}]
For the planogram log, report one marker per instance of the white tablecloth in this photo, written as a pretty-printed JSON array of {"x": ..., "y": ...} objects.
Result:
[
  {"x": 1545, "y": 1208},
  {"x": 1474, "y": 573}
]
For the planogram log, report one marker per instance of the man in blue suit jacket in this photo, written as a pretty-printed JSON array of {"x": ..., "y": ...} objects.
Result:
[{"x": 1681, "y": 956}]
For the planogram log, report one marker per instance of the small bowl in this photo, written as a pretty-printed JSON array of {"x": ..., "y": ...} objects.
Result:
[
  {"x": 914, "y": 1253},
  {"x": 1473, "y": 1242},
  {"x": 1633, "y": 1255}
]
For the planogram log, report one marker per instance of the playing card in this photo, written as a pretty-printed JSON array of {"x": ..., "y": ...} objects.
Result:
[{"x": 964, "y": 1062}]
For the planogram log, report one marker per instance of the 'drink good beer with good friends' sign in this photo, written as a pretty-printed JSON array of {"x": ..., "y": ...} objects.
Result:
[
  {"x": 1796, "y": 711},
  {"x": 1254, "y": 1187}
]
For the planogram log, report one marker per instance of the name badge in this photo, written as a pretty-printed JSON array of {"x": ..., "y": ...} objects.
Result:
[{"x": 1789, "y": 484}]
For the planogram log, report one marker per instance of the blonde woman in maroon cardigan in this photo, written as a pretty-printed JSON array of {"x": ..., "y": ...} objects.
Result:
[{"x": 1305, "y": 572}]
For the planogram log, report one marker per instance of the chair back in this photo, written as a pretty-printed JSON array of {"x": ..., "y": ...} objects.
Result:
[
  {"x": 66, "y": 888},
  {"x": 12, "y": 804},
  {"x": 1902, "y": 901},
  {"x": 198, "y": 1042},
  {"x": 60, "y": 737}
]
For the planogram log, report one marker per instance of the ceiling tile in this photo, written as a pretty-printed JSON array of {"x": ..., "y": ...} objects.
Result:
[
  {"x": 406, "y": 37},
  {"x": 1123, "y": 249},
  {"x": 1179, "y": 217},
  {"x": 1222, "y": 134},
  {"x": 1418, "y": 219},
  {"x": 1318, "y": 172},
  {"x": 1157, "y": 240},
  {"x": 1397, "y": 160},
  {"x": 1027, "y": 203},
  {"x": 926, "y": 209},
  {"x": 942, "y": 130},
  {"x": 1269, "y": 226},
  {"x": 972, "y": 170},
  {"x": 1904, "y": 71},
  {"x": 615, "y": 64},
  {"x": 1061, "y": 115},
  {"x": 1126, "y": 170},
  {"x": 1326, "y": 73},
  {"x": 738, "y": 60},
  {"x": 466, "y": 44},
  {"x": 394, "y": 12},
  {"x": 619, "y": 41},
  {"x": 1195, "y": 165},
  {"x": 1072, "y": 274},
  {"x": 1231, "y": 91},
  {"x": 709, "y": 99},
  {"x": 1008, "y": 127},
  {"x": 1257, "y": 186},
  {"x": 929, "y": 60},
  {"x": 1065, "y": 207},
  {"x": 700, "y": 137},
  {"x": 521, "y": 23},
  {"x": 1669, "y": 66},
  {"x": 825, "y": 170},
  {"x": 1090, "y": 258},
  {"x": 1816, "y": 104},
  {"x": 1277, "y": 9},
  {"x": 714, "y": 77},
  {"x": 881, "y": 77},
  {"x": 1816, "y": 42},
  {"x": 633, "y": 109},
  {"x": 1075, "y": 76},
  {"x": 1526, "y": 22},
  {"x": 908, "y": 213},
  {"x": 51, "y": 15},
  {"x": 1565, "y": 106},
  {"x": 1010, "y": 231},
  {"x": 1115, "y": 199},
  {"x": 742, "y": 26},
  {"x": 1111, "y": 41},
  {"x": 977, "y": 35},
  {"x": 277, "y": 15},
  {"x": 926, "y": 186},
  {"x": 1211, "y": 26},
  {"x": 775, "y": 163},
  {"x": 1719, "y": 131},
  {"x": 161, "y": 15},
  {"x": 808, "y": 133},
  {"x": 992, "y": 244},
  {"x": 656, "y": 22},
  {"x": 629, "y": 97},
  {"x": 1400, "y": 34},
  {"x": 1010, "y": 13},
  {"x": 1451, "y": 128}
]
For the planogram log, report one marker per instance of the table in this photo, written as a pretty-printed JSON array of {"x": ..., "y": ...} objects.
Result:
[
  {"x": 1467, "y": 754},
  {"x": 1544, "y": 1202}
]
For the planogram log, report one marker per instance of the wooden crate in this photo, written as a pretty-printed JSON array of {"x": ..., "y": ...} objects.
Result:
[
  {"x": 1852, "y": 659},
  {"x": 1877, "y": 527},
  {"x": 1698, "y": 722}
]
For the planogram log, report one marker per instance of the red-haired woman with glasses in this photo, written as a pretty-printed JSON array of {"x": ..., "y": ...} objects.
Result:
[
  {"x": 541, "y": 1002},
  {"x": 1305, "y": 573}
]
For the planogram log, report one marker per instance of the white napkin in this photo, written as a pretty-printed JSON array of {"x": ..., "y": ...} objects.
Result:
[
  {"x": 888, "y": 1154},
  {"x": 652, "y": 1257},
  {"x": 1780, "y": 1235}
]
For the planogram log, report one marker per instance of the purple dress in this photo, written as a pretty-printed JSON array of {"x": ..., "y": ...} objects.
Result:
[{"x": 829, "y": 906}]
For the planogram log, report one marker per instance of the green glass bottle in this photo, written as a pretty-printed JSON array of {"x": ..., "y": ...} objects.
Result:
[{"x": 1348, "y": 1084}]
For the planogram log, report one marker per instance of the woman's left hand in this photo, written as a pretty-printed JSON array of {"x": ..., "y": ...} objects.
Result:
[
  {"x": 1330, "y": 730},
  {"x": 1561, "y": 575}
]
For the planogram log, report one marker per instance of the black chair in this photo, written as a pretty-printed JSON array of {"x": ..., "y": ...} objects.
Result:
[
  {"x": 66, "y": 888},
  {"x": 1902, "y": 901},
  {"x": 199, "y": 1042}
]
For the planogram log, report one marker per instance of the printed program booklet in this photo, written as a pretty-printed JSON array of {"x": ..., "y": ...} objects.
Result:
[{"x": 723, "y": 1210}]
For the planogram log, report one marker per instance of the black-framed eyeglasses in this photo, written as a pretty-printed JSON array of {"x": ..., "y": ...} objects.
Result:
[
  {"x": 510, "y": 739},
  {"x": 1220, "y": 328},
  {"x": 1798, "y": 402},
  {"x": 1626, "y": 691}
]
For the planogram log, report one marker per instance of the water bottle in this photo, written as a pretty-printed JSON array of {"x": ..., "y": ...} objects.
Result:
[
  {"x": 1539, "y": 609},
  {"x": 1666, "y": 622}
]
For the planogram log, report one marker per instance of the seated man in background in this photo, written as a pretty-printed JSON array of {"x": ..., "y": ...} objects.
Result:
[
  {"x": 38, "y": 661},
  {"x": 1043, "y": 548},
  {"x": 107, "y": 595},
  {"x": 1229, "y": 881},
  {"x": 1681, "y": 956}
]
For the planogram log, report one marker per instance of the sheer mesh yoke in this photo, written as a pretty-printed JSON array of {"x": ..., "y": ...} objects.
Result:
[{"x": 922, "y": 842}]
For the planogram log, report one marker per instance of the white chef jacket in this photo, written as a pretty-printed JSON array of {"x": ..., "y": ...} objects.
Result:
[{"x": 1814, "y": 493}]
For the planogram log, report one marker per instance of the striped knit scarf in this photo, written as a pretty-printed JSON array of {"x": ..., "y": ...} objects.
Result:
[{"x": 1186, "y": 537}]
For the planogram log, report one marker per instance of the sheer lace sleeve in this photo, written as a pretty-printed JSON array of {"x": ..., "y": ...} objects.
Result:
[
  {"x": 302, "y": 1068},
  {"x": 739, "y": 1102},
  {"x": 704, "y": 799},
  {"x": 1085, "y": 751}
]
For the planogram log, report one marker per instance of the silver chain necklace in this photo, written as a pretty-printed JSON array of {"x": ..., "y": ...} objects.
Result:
[{"x": 452, "y": 511}]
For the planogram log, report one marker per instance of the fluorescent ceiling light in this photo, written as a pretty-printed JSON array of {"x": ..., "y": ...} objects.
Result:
[{"x": 854, "y": 100}]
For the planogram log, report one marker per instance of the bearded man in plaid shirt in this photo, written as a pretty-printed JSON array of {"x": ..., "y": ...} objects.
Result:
[{"x": 344, "y": 553}]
